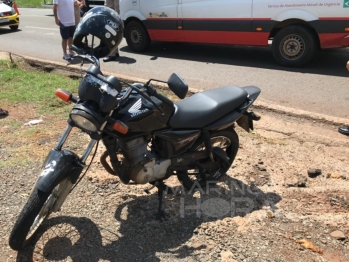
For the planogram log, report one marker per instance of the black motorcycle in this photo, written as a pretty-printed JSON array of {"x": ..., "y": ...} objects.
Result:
[{"x": 148, "y": 138}]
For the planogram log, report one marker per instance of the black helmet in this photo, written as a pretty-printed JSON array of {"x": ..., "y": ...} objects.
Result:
[{"x": 104, "y": 23}]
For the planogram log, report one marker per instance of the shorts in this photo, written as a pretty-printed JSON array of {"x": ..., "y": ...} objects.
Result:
[{"x": 66, "y": 31}]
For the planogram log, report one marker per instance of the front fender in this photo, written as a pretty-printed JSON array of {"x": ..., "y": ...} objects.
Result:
[{"x": 58, "y": 165}]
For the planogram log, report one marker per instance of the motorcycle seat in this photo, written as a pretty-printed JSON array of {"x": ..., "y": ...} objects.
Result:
[{"x": 206, "y": 107}]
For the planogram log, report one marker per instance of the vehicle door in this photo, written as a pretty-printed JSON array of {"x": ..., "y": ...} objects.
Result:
[
  {"x": 217, "y": 21},
  {"x": 162, "y": 19}
]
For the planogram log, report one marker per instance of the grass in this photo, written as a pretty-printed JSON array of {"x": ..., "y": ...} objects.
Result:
[
  {"x": 20, "y": 86},
  {"x": 27, "y": 95},
  {"x": 31, "y": 3}
]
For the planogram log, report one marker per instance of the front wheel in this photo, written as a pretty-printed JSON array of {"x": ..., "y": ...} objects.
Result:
[
  {"x": 137, "y": 37},
  {"x": 38, "y": 208},
  {"x": 294, "y": 46},
  {"x": 14, "y": 27},
  {"x": 227, "y": 140}
]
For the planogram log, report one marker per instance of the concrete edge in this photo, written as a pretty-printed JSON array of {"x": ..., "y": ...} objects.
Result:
[{"x": 258, "y": 104}]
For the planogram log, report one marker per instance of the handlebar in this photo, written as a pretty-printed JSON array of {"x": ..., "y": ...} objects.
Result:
[
  {"x": 81, "y": 53},
  {"x": 152, "y": 92}
]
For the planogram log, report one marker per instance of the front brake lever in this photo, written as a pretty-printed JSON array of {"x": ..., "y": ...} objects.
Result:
[{"x": 148, "y": 98}]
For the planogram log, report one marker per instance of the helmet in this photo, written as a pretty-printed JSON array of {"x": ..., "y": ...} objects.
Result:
[{"x": 104, "y": 23}]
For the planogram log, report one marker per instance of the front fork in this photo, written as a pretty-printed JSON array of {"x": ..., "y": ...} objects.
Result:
[
  {"x": 62, "y": 169},
  {"x": 64, "y": 137},
  {"x": 62, "y": 164}
]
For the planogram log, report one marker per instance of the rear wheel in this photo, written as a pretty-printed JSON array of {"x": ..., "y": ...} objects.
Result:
[
  {"x": 38, "y": 208},
  {"x": 294, "y": 46},
  {"x": 227, "y": 140},
  {"x": 14, "y": 27},
  {"x": 137, "y": 37}
]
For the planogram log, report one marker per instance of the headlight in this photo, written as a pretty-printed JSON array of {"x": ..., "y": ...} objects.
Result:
[
  {"x": 84, "y": 123},
  {"x": 86, "y": 117},
  {"x": 13, "y": 11}
]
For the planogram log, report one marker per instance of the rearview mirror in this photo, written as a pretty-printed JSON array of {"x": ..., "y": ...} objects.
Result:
[{"x": 177, "y": 85}]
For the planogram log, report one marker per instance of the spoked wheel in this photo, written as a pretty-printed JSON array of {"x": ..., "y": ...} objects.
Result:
[
  {"x": 227, "y": 140},
  {"x": 38, "y": 208}
]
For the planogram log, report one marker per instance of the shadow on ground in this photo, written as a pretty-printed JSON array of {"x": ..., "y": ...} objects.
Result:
[
  {"x": 327, "y": 62},
  {"x": 120, "y": 60},
  {"x": 140, "y": 237},
  {"x": 8, "y": 30}
]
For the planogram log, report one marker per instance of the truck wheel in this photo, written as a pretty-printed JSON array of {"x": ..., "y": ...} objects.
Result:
[
  {"x": 137, "y": 37},
  {"x": 294, "y": 46}
]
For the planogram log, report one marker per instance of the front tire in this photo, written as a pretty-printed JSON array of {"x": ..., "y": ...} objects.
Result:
[
  {"x": 137, "y": 37},
  {"x": 14, "y": 27},
  {"x": 294, "y": 46},
  {"x": 226, "y": 139},
  {"x": 38, "y": 208}
]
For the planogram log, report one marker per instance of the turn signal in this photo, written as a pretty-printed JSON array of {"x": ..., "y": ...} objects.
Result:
[
  {"x": 63, "y": 94},
  {"x": 120, "y": 127},
  {"x": 346, "y": 29},
  {"x": 259, "y": 29}
]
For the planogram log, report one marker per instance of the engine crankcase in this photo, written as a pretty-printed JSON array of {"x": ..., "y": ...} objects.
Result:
[{"x": 152, "y": 171}]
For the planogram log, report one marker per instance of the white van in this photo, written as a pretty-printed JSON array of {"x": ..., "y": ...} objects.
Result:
[{"x": 297, "y": 28}]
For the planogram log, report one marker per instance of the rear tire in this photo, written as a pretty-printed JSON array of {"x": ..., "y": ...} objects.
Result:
[
  {"x": 137, "y": 37},
  {"x": 14, "y": 27},
  {"x": 294, "y": 46},
  {"x": 35, "y": 211},
  {"x": 226, "y": 139}
]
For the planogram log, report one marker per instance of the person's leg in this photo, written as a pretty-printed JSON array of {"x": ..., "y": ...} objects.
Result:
[
  {"x": 112, "y": 57},
  {"x": 64, "y": 46},
  {"x": 65, "y": 36},
  {"x": 117, "y": 6},
  {"x": 109, "y": 3},
  {"x": 70, "y": 39}
]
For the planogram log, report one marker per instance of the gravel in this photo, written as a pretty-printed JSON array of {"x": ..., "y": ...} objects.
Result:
[{"x": 252, "y": 215}]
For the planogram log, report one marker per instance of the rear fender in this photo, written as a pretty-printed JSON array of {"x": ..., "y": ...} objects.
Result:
[
  {"x": 241, "y": 111},
  {"x": 58, "y": 165}
]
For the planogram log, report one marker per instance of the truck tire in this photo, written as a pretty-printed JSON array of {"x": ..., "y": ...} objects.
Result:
[
  {"x": 294, "y": 46},
  {"x": 137, "y": 37}
]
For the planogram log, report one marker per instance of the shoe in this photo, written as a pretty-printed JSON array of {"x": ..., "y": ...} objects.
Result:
[
  {"x": 344, "y": 130},
  {"x": 72, "y": 54},
  {"x": 66, "y": 57},
  {"x": 111, "y": 58}
]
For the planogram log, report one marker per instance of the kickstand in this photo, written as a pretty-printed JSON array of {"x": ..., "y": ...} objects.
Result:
[{"x": 161, "y": 213}]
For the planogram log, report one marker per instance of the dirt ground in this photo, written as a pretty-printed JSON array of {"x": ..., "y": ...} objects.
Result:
[{"x": 267, "y": 208}]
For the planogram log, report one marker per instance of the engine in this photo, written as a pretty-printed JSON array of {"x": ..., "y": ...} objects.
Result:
[{"x": 144, "y": 165}]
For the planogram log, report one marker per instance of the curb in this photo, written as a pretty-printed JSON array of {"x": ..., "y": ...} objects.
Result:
[{"x": 76, "y": 70}]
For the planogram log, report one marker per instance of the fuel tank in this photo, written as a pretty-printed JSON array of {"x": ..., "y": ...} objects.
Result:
[{"x": 141, "y": 116}]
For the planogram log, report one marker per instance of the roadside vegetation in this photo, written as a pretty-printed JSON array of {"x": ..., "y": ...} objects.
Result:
[
  {"x": 34, "y": 87},
  {"x": 30, "y": 95},
  {"x": 31, "y": 3}
]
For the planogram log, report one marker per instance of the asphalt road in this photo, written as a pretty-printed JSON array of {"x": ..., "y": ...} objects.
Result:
[{"x": 321, "y": 86}]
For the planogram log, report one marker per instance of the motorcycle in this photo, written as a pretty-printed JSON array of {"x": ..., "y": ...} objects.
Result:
[{"x": 147, "y": 137}]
